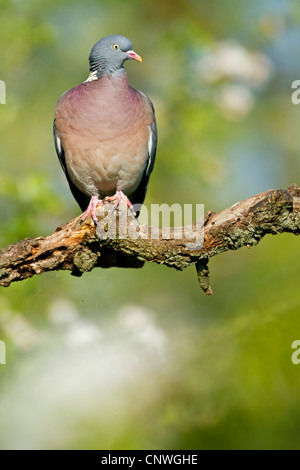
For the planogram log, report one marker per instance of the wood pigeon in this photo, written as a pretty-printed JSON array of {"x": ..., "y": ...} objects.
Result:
[{"x": 105, "y": 131}]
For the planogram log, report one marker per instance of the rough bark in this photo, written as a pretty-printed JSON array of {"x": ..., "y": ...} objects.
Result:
[{"x": 79, "y": 247}]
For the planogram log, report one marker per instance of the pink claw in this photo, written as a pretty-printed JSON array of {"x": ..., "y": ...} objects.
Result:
[
  {"x": 95, "y": 202},
  {"x": 91, "y": 209},
  {"x": 117, "y": 198}
]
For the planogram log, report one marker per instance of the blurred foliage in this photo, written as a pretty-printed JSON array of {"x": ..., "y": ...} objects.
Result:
[{"x": 142, "y": 359}]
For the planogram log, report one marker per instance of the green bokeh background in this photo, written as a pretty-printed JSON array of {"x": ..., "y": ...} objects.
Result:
[{"x": 126, "y": 359}]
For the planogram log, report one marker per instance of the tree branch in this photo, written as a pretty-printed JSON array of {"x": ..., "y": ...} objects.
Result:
[{"x": 80, "y": 247}]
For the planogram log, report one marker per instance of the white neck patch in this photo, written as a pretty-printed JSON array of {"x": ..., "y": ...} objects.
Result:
[{"x": 92, "y": 76}]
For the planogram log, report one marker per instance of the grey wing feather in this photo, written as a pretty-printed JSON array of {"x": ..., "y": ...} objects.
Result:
[
  {"x": 140, "y": 193},
  {"x": 80, "y": 197}
]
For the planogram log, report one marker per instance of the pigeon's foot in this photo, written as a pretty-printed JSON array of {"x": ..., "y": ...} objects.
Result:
[
  {"x": 116, "y": 198},
  {"x": 91, "y": 210}
]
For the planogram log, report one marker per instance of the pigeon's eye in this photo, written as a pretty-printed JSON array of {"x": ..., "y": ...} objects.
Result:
[{"x": 116, "y": 47}]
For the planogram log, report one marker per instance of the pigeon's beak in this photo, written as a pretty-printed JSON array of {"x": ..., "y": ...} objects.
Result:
[{"x": 133, "y": 55}]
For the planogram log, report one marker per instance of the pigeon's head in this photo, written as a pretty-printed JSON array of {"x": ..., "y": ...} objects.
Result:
[{"x": 109, "y": 54}]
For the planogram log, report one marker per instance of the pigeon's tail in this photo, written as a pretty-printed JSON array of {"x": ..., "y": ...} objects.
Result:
[{"x": 111, "y": 259}]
